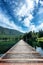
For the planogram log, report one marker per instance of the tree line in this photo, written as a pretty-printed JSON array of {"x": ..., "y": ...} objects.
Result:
[{"x": 32, "y": 38}]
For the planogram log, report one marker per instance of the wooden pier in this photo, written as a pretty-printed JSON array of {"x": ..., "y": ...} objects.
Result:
[{"x": 21, "y": 54}]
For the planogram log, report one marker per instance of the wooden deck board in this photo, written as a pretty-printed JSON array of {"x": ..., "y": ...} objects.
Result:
[
  {"x": 21, "y": 63},
  {"x": 21, "y": 54}
]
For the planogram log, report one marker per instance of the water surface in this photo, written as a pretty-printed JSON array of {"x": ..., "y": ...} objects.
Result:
[{"x": 40, "y": 50}]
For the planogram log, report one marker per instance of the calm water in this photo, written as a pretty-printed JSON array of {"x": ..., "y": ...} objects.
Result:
[
  {"x": 1, "y": 55},
  {"x": 40, "y": 50}
]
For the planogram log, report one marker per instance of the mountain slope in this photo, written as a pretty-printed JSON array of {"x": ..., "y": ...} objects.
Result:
[{"x": 7, "y": 31}]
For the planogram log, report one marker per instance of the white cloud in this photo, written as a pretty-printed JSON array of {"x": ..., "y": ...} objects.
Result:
[
  {"x": 37, "y": 1},
  {"x": 27, "y": 20},
  {"x": 36, "y": 28},
  {"x": 5, "y": 22},
  {"x": 30, "y": 4},
  {"x": 39, "y": 27},
  {"x": 41, "y": 2},
  {"x": 25, "y": 9},
  {"x": 22, "y": 10},
  {"x": 40, "y": 11},
  {"x": 30, "y": 17},
  {"x": 32, "y": 27}
]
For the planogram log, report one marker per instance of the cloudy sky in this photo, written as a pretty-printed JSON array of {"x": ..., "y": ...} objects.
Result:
[{"x": 22, "y": 15}]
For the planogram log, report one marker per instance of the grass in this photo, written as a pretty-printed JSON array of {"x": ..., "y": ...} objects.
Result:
[
  {"x": 40, "y": 42},
  {"x": 6, "y": 44},
  {"x": 7, "y": 36},
  {"x": 40, "y": 39}
]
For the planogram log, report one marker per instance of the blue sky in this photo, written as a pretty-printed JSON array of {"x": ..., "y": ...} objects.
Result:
[{"x": 22, "y": 15}]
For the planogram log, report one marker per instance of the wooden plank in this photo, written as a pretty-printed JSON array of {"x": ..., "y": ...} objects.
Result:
[
  {"x": 33, "y": 52},
  {"x": 22, "y": 59},
  {"x": 21, "y": 54},
  {"x": 21, "y": 63}
]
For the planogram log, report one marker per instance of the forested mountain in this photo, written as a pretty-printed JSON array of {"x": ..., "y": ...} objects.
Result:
[{"x": 6, "y": 31}]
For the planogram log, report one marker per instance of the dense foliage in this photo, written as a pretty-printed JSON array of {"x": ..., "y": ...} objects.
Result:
[
  {"x": 40, "y": 33},
  {"x": 33, "y": 38}
]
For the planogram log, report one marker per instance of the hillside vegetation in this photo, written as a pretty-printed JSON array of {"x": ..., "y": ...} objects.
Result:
[
  {"x": 8, "y": 38},
  {"x": 6, "y": 31}
]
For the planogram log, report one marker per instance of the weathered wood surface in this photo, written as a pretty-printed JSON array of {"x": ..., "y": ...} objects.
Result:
[{"x": 21, "y": 54}]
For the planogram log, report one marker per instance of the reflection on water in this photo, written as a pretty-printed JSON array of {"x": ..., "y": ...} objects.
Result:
[
  {"x": 1, "y": 55},
  {"x": 40, "y": 50}
]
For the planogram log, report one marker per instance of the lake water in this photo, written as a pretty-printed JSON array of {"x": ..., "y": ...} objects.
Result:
[
  {"x": 40, "y": 50},
  {"x": 1, "y": 55}
]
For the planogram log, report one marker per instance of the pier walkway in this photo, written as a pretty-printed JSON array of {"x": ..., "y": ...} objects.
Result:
[{"x": 21, "y": 54}]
